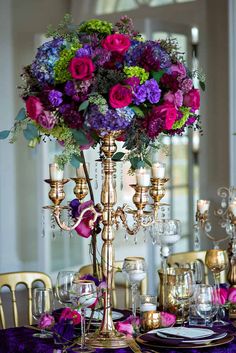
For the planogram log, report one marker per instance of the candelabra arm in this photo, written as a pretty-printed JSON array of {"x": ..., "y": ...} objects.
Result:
[
  {"x": 121, "y": 214},
  {"x": 64, "y": 226}
]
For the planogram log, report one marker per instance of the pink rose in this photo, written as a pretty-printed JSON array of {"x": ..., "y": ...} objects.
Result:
[
  {"x": 232, "y": 295},
  {"x": 45, "y": 321},
  {"x": 222, "y": 297},
  {"x": 81, "y": 68},
  {"x": 34, "y": 107},
  {"x": 118, "y": 43},
  {"x": 179, "y": 69},
  {"x": 128, "y": 326},
  {"x": 174, "y": 98},
  {"x": 46, "y": 120},
  {"x": 168, "y": 112},
  {"x": 69, "y": 314},
  {"x": 192, "y": 99},
  {"x": 120, "y": 96},
  {"x": 167, "y": 319}
]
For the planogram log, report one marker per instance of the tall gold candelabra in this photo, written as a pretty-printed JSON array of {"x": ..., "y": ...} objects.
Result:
[{"x": 107, "y": 336}]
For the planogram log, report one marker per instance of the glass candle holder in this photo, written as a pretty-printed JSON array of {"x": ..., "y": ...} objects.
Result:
[{"x": 148, "y": 303}]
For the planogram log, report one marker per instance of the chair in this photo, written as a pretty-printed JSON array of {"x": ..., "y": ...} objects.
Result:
[
  {"x": 116, "y": 285},
  {"x": 11, "y": 280},
  {"x": 188, "y": 259}
]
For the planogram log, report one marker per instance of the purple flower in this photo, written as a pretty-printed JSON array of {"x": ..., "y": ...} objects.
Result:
[
  {"x": 85, "y": 51},
  {"x": 186, "y": 85},
  {"x": 47, "y": 120},
  {"x": 153, "y": 91},
  {"x": 70, "y": 89},
  {"x": 139, "y": 94},
  {"x": 101, "y": 56},
  {"x": 132, "y": 81},
  {"x": 55, "y": 98}
]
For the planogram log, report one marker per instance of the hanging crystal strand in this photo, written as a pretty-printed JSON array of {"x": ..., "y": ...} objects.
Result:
[
  {"x": 223, "y": 203},
  {"x": 53, "y": 226},
  {"x": 121, "y": 176},
  {"x": 196, "y": 237},
  {"x": 43, "y": 222},
  {"x": 145, "y": 232},
  {"x": 135, "y": 239},
  {"x": 126, "y": 236},
  {"x": 96, "y": 176}
]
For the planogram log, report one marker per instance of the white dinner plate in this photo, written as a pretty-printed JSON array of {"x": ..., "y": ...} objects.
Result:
[
  {"x": 207, "y": 340},
  {"x": 185, "y": 332},
  {"x": 98, "y": 314}
]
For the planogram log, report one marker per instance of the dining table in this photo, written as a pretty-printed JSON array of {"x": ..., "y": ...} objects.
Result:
[{"x": 21, "y": 340}]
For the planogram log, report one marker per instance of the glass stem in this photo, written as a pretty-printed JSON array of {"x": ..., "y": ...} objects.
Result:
[
  {"x": 165, "y": 292},
  {"x": 217, "y": 286},
  {"x": 82, "y": 328},
  {"x": 134, "y": 292}
]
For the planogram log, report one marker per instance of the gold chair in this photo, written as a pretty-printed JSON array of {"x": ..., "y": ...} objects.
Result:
[
  {"x": 187, "y": 259},
  {"x": 117, "y": 286},
  {"x": 11, "y": 280}
]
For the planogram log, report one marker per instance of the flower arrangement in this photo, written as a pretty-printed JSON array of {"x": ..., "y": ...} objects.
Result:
[{"x": 97, "y": 78}]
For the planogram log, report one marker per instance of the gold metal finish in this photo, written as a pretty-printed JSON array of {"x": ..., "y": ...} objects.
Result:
[
  {"x": 56, "y": 193},
  {"x": 81, "y": 188},
  {"x": 11, "y": 280},
  {"x": 150, "y": 320},
  {"x": 157, "y": 192},
  {"x": 201, "y": 217}
]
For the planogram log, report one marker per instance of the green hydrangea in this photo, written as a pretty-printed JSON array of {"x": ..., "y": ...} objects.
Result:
[
  {"x": 180, "y": 123},
  {"x": 137, "y": 71},
  {"x": 96, "y": 26},
  {"x": 100, "y": 101},
  {"x": 61, "y": 67},
  {"x": 60, "y": 132}
]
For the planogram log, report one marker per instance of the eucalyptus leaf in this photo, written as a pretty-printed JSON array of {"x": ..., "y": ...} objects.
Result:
[
  {"x": 202, "y": 85},
  {"x": 84, "y": 105},
  {"x": 76, "y": 160},
  {"x": 140, "y": 164},
  {"x": 137, "y": 111},
  {"x": 30, "y": 132},
  {"x": 21, "y": 115},
  {"x": 80, "y": 137},
  {"x": 147, "y": 162},
  {"x": 118, "y": 156},
  {"x": 134, "y": 162},
  {"x": 4, "y": 134}
]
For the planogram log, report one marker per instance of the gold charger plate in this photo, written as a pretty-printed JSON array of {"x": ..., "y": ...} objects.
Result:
[{"x": 153, "y": 344}]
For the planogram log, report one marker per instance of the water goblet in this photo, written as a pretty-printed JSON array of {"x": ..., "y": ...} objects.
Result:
[
  {"x": 84, "y": 292},
  {"x": 205, "y": 303},
  {"x": 63, "y": 286},
  {"x": 42, "y": 303},
  {"x": 135, "y": 270},
  {"x": 217, "y": 260},
  {"x": 183, "y": 289}
]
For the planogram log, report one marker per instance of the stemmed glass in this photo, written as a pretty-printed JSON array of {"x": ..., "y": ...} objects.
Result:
[
  {"x": 217, "y": 261},
  {"x": 42, "y": 303},
  {"x": 135, "y": 270},
  {"x": 63, "y": 286},
  {"x": 183, "y": 289},
  {"x": 84, "y": 292},
  {"x": 204, "y": 303}
]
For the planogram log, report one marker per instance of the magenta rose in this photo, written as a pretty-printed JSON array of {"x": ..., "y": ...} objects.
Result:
[
  {"x": 179, "y": 69},
  {"x": 167, "y": 319},
  {"x": 128, "y": 326},
  {"x": 45, "y": 321},
  {"x": 192, "y": 99},
  {"x": 168, "y": 113},
  {"x": 120, "y": 96},
  {"x": 34, "y": 107},
  {"x": 222, "y": 296},
  {"x": 47, "y": 120},
  {"x": 174, "y": 98},
  {"x": 72, "y": 315},
  {"x": 117, "y": 42},
  {"x": 232, "y": 295},
  {"x": 81, "y": 68}
]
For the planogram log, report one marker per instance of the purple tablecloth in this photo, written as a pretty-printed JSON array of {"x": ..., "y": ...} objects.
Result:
[{"x": 21, "y": 340}]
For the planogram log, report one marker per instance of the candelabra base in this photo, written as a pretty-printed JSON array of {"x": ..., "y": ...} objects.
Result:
[{"x": 110, "y": 340}]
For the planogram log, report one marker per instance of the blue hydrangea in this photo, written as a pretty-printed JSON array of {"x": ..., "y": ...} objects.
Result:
[{"x": 47, "y": 55}]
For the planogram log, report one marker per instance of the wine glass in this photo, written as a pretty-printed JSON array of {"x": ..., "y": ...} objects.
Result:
[
  {"x": 217, "y": 261},
  {"x": 42, "y": 303},
  {"x": 183, "y": 288},
  {"x": 135, "y": 270},
  {"x": 205, "y": 303},
  {"x": 84, "y": 292},
  {"x": 63, "y": 286}
]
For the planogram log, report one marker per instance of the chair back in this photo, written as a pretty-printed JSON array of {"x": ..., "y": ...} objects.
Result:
[
  {"x": 117, "y": 285},
  {"x": 11, "y": 280},
  {"x": 190, "y": 259}
]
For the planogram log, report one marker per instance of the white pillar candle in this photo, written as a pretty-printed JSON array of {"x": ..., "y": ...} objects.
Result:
[
  {"x": 147, "y": 307},
  {"x": 232, "y": 207},
  {"x": 136, "y": 275},
  {"x": 80, "y": 171},
  {"x": 158, "y": 170},
  {"x": 203, "y": 206},
  {"x": 56, "y": 174},
  {"x": 142, "y": 177}
]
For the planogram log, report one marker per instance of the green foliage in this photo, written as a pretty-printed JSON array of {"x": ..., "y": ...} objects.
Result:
[
  {"x": 80, "y": 137},
  {"x": 30, "y": 132},
  {"x": 84, "y": 105},
  {"x": 4, "y": 134},
  {"x": 157, "y": 75},
  {"x": 66, "y": 29},
  {"x": 138, "y": 111},
  {"x": 100, "y": 101},
  {"x": 96, "y": 26},
  {"x": 136, "y": 71},
  {"x": 179, "y": 123},
  {"x": 118, "y": 156},
  {"x": 62, "y": 73},
  {"x": 21, "y": 115}
]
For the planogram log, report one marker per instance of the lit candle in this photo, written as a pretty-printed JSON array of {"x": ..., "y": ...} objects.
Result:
[
  {"x": 158, "y": 170},
  {"x": 80, "y": 171},
  {"x": 147, "y": 307},
  {"x": 203, "y": 206},
  {"x": 136, "y": 275},
  {"x": 142, "y": 177},
  {"x": 232, "y": 208},
  {"x": 56, "y": 174}
]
